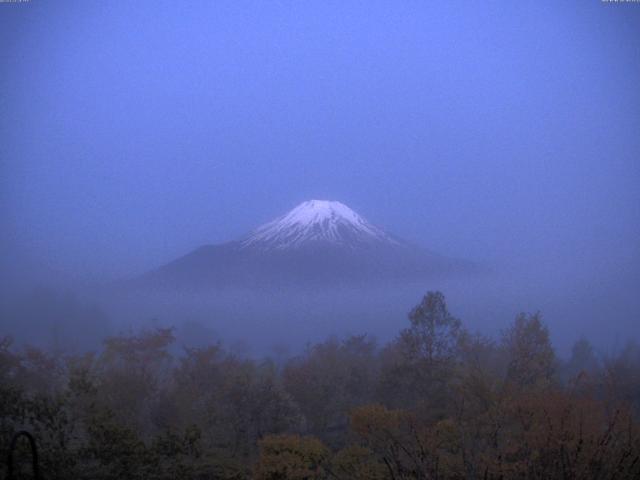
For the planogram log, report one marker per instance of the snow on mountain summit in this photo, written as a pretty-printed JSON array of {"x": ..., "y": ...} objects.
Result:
[
  {"x": 313, "y": 222},
  {"x": 318, "y": 243}
]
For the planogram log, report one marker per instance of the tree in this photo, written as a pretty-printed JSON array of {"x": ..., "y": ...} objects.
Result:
[
  {"x": 420, "y": 364},
  {"x": 531, "y": 359},
  {"x": 356, "y": 462},
  {"x": 583, "y": 363},
  {"x": 434, "y": 334},
  {"x": 132, "y": 371},
  {"x": 235, "y": 401},
  {"x": 291, "y": 457},
  {"x": 622, "y": 376},
  {"x": 329, "y": 380},
  {"x": 409, "y": 446}
]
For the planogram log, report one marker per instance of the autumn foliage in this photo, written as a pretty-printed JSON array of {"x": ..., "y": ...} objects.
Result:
[{"x": 437, "y": 402}]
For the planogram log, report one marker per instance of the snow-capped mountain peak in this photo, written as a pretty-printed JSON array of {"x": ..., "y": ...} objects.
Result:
[
  {"x": 313, "y": 222},
  {"x": 317, "y": 243}
]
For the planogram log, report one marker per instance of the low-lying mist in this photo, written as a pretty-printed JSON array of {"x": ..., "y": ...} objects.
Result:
[{"x": 259, "y": 321}]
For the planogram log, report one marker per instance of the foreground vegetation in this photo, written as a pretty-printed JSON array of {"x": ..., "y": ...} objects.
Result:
[{"x": 435, "y": 403}]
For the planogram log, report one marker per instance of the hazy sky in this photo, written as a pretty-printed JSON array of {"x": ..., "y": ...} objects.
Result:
[{"x": 505, "y": 132}]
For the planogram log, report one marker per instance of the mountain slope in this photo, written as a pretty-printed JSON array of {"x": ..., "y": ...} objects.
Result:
[{"x": 319, "y": 242}]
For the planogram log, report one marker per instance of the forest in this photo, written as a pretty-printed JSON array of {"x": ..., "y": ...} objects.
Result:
[{"x": 436, "y": 402}]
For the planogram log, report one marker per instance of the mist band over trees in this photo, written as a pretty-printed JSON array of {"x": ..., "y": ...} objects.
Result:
[{"x": 435, "y": 402}]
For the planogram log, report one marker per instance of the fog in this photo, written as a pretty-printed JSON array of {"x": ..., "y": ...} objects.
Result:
[{"x": 504, "y": 134}]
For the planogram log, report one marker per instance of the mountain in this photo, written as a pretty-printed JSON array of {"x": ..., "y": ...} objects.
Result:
[
  {"x": 319, "y": 242},
  {"x": 317, "y": 223}
]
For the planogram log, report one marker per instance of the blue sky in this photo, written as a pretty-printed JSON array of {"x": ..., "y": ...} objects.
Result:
[{"x": 504, "y": 132}]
